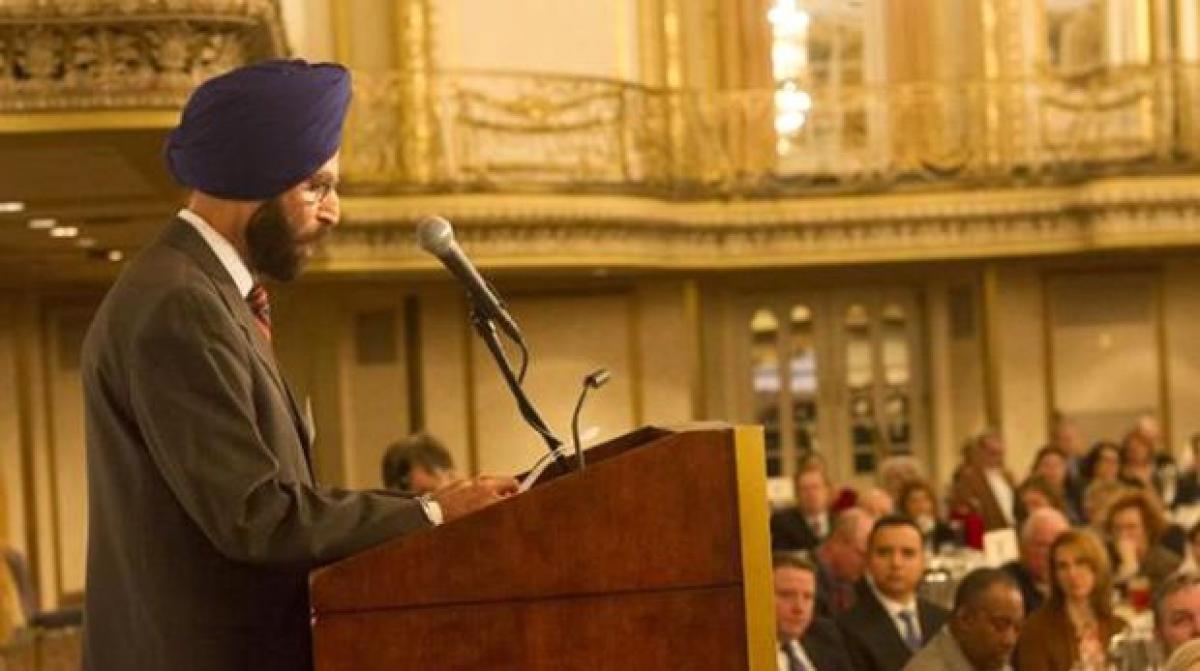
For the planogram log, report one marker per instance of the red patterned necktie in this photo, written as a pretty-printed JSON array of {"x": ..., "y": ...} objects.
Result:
[{"x": 260, "y": 307}]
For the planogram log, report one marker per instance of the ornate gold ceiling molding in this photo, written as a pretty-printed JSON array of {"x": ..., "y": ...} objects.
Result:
[
  {"x": 103, "y": 55},
  {"x": 532, "y": 232}
]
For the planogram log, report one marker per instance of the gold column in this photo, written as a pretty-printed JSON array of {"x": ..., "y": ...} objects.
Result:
[
  {"x": 1187, "y": 80},
  {"x": 414, "y": 59}
]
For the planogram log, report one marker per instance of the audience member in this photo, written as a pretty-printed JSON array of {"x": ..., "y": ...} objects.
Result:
[
  {"x": 1143, "y": 465},
  {"x": 876, "y": 502},
  {"x": 1134, "y": 526},
  {"x": 1189, "y": 480},
  {"x": 1103, "y": 462},
  {"x": 983, "y": 628},
  {"x": 804, "y": 525},
  {"x": 1097, "y": 499},
  {"x": 1177, "y": 611},
  {"x": 1053, "y": 464},
  {"x": 1186, "y": 658},
  {"x": 841, "y": 560},
  {"x": 1037, "y": 493},
  {"x": 418, "y": 465},
  {"x": 917, "y": 500},
  {"x": 983, "y": 486},
  {"x": 1191, "y": 555},
  {"x": 1065, "y": 436},
  {"x": 805, "y": 641},
  {"x": 890, "y": 621},
  {"x": 1073, "y": 628},
  {"x": 1031, "y": 571},
  {"x": 896, "y": 471}
]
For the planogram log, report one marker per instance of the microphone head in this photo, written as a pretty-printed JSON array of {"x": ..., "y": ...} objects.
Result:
[
  {"x": 435, "y": 235},
  {"x": 597, "y": 378}
]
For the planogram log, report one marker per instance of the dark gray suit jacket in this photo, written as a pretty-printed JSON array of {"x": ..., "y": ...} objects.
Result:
[{"x": 204, "y": 519}]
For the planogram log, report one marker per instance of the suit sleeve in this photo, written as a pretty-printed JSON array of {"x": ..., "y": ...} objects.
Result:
[
  {"x": 191, "y": 395},
  {"x": 856, "y": 652}
]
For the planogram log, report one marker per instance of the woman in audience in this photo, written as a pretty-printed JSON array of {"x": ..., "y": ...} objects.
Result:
[
  {"x": 1102, "y": 463},
  {"x": 918, "y": 501},
  {"x": 1140, "y": 464},
  {"x": 1072, "y": 630},
  {"x": 1134, "y": 524},
  {"x": 1051, "y": 464},
  {"x": 1037, "y": 492}
]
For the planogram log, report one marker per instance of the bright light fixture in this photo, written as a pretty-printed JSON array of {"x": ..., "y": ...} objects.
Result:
[
  {"x": 115, "y": 255},
  {"x": 85, "y": 243},
  {"x": 64, "y": 231},
  {"x": 42, "y": 223},
  {"x": 11, "y": 206}
]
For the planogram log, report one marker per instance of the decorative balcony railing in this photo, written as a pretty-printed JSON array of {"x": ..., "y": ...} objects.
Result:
[
  {"x": 500, "y": 131},
  {"x": 89, "y": 55}
]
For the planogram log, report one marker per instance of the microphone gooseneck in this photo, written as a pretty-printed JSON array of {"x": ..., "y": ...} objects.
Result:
[
  {"x": 436, "y": 236},
  {"x": 594, "y": 380}
]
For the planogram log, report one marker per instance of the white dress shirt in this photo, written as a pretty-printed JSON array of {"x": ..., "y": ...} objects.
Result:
[
  {"x": 223, "y": 248},
  {"x": 781, "y": 659},
  {"x": 1001, "y": 490},
  {"x": 894, "y": 608}
]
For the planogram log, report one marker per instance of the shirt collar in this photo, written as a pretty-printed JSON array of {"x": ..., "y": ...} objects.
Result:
[
  {"x": 226, "y": 254},
  {"x": 894, "y": 608}
]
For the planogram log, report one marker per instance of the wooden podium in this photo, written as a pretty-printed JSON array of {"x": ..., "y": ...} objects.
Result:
[{"x": 656, "y": 556}]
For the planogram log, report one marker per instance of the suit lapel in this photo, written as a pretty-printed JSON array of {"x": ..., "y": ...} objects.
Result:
[
  {"x": 182, "y": 236},
  {"x": 882, "y": 620}
]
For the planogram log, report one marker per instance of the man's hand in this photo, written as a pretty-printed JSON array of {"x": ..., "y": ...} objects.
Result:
[{"x": 463, "y": 497}]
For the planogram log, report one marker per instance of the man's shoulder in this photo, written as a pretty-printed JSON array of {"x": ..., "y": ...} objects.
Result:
[{"x": 941, "y": 654}]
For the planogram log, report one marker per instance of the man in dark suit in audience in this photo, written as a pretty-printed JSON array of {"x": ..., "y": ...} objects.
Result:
[
  {"x": 841, "y": 560},
  {"x": 890, "y": 622},
  {"x": 805, "y": 525},
  {"x": 806, "y": 643}
]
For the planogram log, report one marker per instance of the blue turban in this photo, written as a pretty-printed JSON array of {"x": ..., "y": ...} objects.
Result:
[{"x": 257, "y": 131}]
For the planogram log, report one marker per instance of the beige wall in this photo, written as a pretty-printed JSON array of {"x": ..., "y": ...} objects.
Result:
[
  {"x": 1104, "y": 348},
  {"x": 581, "y": 37},
  {"x": 1181, "y": 309},
  {"x": 1016, "y": 352}
]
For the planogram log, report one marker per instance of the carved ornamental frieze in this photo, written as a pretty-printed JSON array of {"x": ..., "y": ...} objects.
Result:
[{"x": 82, "y": 55}]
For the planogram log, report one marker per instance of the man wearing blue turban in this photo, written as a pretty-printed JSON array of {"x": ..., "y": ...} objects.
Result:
[{"x": 204, "y": 517}]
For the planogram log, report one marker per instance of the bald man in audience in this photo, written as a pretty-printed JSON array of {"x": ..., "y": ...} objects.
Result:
[
  {"x": 806, "y": 642},
  {"x": 983, "y": 630},
  {"x": 841, "y": 560},
  {"x": 1177, "y": 611},
  {"x": 1032, "y": 570},
  {"x": 889, "y": 622}
]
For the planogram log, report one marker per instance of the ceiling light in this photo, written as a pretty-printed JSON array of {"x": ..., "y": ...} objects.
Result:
[
  {"x": 115, "y": 255},
  {"x": 11, "y": 206},
  {"x": 42, "y": 223},
  {"x": 85, "y": 243},
  {"x": 64, "y": 231}
]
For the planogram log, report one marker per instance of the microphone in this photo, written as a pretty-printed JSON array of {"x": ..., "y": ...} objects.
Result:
[
  {"x": 436, "y": 236},
  {"x": 593, "y": 380}
]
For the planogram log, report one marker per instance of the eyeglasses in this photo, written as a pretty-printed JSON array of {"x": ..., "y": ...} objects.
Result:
[{"x": 314, "y": 193}]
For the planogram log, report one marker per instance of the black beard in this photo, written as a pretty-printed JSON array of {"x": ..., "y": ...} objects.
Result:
[{"x": 271, "y": 243}]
